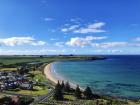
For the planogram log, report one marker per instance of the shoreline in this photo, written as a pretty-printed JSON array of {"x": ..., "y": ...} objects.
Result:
[{"x": 50, "y": 76}]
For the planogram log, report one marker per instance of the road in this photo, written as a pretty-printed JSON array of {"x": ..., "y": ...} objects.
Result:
[{"x": 43, "y": 98}]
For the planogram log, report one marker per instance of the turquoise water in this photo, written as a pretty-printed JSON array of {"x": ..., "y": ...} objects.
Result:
[{"x": 117, "y": 76}]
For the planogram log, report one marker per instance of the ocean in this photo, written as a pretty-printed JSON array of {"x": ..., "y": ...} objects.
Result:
[{"x": 116, "y": 76}]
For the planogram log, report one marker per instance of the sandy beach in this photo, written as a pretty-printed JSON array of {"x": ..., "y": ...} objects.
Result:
[
  {"x": 49, "y": 75},
  {"x": 47, "y": 72}
]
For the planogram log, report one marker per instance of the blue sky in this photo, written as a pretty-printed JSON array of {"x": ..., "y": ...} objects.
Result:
[{"x": 69, "y": 27}]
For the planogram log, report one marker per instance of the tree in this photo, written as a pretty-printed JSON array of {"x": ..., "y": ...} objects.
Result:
[
  {"x": 78, "y": 92},
  {"x": 1, "y": 64},
  {"x": 97, "y": 102},
  {"x": 62, "y": 85},
  {"x": 22, "y": 70},
  {"x": 88, "y": 93},
  {"x": 24, "y": 100},
  {"x": 67, "y": 87},
  {"x": 5, "y": 100},
  {"x": 58, "y": 95}
]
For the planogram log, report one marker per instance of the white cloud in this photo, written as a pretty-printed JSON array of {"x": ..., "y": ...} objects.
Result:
[
  {"x": 64, "y": 29},
  {"x": 109, "y": 44},
  {"x": 137, "y": 39},
  {"x": 64, "y": 50},
  {"x": 109, "y": 51},
  {"x": 13, "y": 41},
  {"x": 59, "y": 44},
  {"x": 47, "y": 50},
  {"x": 53, "y": 39},
  {"x": 38, "y": 43},
  {"x": 91, "y": 28},
  {"x": 79, "y": 41},
  {"x": 136, "y": 44},
  {"x": 114, "y": 51},
  {"x": 95, "y": 38},
  {"x": 26, "y": 52},
  {"x": 48, "y": 19},
  {"x": 71, "y": 28},
  {"x": 76, "y": 20}
]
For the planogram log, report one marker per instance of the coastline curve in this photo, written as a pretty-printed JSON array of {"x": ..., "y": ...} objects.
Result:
[{"x": 49, "y": 73}]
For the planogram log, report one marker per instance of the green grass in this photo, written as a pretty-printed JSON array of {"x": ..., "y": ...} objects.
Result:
[
  {"x": 38, "y": 90},
  {"x": 7, "y": 60},
  {"x": 38, "y": 76},
  {"x": 34, "y": 93},
  {"x": 8, "y": 69},
  {"x": 69, "y": 97}
]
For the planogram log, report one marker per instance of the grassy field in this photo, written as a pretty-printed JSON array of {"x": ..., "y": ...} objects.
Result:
[
  {"x": 69, "y": 97},
  {"x": 8, "y": 69},
  {"x": 38, "y": 91},
  {"x": 38, "y": 76},
  {"x": 7, "y": 60}
]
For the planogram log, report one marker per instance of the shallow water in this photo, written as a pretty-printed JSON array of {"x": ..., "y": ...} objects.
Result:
[{"x": 118, "y": 76}]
